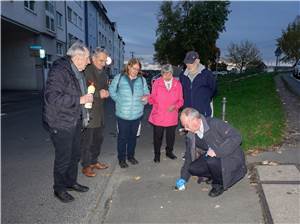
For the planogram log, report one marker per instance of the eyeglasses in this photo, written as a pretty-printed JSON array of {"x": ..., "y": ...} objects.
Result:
[{"x": 135, "y": 69}]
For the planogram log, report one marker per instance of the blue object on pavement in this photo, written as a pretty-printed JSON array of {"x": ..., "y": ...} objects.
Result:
[{"x": 180, "y": 183}]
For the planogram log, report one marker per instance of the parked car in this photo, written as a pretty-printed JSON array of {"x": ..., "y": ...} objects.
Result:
[{"x": 296, "y": 70}]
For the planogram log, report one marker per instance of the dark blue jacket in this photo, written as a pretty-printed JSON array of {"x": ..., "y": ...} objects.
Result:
[
  {"x": 61, "y": 96},
  {"x": 199, "y": 93}
]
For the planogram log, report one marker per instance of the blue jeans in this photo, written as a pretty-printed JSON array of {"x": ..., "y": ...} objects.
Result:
[{"x": 127, "y": 138}]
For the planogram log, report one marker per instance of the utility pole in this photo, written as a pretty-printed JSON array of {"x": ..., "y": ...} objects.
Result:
[{"x": 132, "y": 54}]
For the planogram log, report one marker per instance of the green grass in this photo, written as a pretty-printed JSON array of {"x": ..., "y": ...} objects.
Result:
[{"x": 253, "y": 107}]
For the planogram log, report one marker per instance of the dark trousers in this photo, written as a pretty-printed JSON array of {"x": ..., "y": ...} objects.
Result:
[
  {"x": 127, "y": 138},
  {"x": 67, "y": 156},
  {"x": 91, "y": 141},
  {"x": 158, "y": 133},
  {"x": 207, "y": 167}
]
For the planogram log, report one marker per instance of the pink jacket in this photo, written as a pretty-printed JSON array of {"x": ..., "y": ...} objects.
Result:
[{"x": 162, "y": 99}]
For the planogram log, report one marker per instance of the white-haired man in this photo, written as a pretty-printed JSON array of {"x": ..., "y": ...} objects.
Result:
[
  {"x": 223, "y": 160},
  {"x": 64, "y": 114}
]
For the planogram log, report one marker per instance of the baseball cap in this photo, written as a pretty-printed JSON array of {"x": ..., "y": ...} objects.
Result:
[{"x": 190, "y": 57}]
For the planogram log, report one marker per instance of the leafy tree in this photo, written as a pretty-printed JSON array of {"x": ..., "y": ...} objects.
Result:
[
  {"x": 186, "y": 26},
  {"x": 289, "y": 42},
  {"x": 243, "y": 54}
]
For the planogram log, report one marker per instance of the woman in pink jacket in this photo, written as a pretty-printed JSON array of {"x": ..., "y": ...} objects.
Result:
[{"x": 166, "y": 98}]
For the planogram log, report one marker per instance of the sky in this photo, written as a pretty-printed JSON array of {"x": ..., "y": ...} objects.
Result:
[{"x": 260, "y": 22}]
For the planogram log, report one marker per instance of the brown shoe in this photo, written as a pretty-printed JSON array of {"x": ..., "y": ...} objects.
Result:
[
  {"x": 99, "y": 166},
  {"x": 88, "y": 171}
]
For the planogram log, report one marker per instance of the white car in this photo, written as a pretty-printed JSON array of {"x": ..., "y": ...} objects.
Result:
[{"x": 296, "y": 70}]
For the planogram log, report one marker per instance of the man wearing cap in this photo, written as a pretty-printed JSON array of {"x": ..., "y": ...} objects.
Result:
[{"x": 198, "y": 83}]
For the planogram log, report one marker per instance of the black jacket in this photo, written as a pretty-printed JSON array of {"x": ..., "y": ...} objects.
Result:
[
  {"x": 225, "y": 141},
  {"x": 61, "y": 109},
  {"x": 100, "y": 80}
]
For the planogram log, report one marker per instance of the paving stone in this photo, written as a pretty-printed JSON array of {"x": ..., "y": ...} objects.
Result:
[
  {"x": 283, "y": 201},
  {"x": 278, "y": 173}
]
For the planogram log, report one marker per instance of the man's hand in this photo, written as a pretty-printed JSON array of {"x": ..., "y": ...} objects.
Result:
[
  {"x": 87, "y": 98},
  {"x": 103, "y": 93},
  {"x": 211, "y": 153}
]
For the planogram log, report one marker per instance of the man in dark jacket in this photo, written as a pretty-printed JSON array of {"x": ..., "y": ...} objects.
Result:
[
  {"x": 92, "y": 136},
  {"x": 198, "y": 84},
  {"x": 64, "y": 115},
  {"x": 223, "y": 159}
]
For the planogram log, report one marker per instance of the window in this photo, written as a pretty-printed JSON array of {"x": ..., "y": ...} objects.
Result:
[
  {"x": 74, "y": 19},
  {"x": 59, "y": 19},
  {"x": 69, "y": 14},
  {"x": 49, "y": 5},
  {"x": 29, "y": 5},
  {"x": 79, "y": 22},
  {"x": 50, "y": 23},
  {"x": 59, "y": 49}
]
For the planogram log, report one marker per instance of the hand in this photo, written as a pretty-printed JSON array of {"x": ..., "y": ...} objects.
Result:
[
  {"x": 103, "y": 93},
  {"x": 180, "y": 184},
  {"x": 87, "y": 98},
  {"x": 171, "y": 108},
  {"x": 211, "y": 153},
  {"x": 144, "y": 99}
]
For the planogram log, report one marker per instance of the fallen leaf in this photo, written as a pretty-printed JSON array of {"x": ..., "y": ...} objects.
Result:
[
  {"x": 204, "y": 189},
  {"x": 273, "y": 163},
  {"x": 137, "y": 178}
]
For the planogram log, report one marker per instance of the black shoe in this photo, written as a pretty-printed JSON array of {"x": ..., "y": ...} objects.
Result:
[
  {"x": 171, "y": 155},
  {"x": 133, "y": 161},
  {"x": 216, "y": 191},
  {"x": 77, "y": 187},
  {"x": 208, "y": 180},
  {"x": 64, "y": 196},
  {"x": 123, "y": 164},
  {"x": 156, "y": 159}
]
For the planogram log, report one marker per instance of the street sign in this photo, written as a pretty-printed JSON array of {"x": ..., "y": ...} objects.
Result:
[{"x": 35, "y": 47}]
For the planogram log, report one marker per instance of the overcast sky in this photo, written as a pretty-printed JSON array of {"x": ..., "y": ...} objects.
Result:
[{"x": 256, "y": 21}]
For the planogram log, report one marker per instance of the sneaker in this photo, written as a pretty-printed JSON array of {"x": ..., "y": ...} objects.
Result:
[
  {"x": 123, "y": 164},
  {"x": 133, "y": 161}
]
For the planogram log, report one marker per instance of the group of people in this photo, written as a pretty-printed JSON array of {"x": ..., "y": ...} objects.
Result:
[{"x": 212, "y": 146}]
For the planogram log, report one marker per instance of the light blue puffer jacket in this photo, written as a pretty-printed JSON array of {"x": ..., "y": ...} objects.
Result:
[{"x": 128, "y": 104}]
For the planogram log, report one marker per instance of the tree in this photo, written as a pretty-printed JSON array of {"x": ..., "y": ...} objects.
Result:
[
  {"x": 189, "y": 25},
  {"x": 243, "y": 54},
  {"x": 289, "y": 42}
]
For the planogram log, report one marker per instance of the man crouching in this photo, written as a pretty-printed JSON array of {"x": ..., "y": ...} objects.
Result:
[{"x": 223, "y": 159}]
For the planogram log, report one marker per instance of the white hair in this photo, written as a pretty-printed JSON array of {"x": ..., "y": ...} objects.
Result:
[
  {"x": 77, "y": 48},
  {"x": 99, "y": 50},
  {"x": 191, "y": 113}
]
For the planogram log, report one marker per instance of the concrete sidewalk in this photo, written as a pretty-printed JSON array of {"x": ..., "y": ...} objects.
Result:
[{"x": 145, "y": 194}]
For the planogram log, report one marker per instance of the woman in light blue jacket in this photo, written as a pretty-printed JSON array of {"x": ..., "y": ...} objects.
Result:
[{"x": 130, "y": 93}]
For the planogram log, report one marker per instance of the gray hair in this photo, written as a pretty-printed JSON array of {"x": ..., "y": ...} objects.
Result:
[
  {"x": 77, "y": 48},
  {"x": 99, "y": 50},
  {"x": 191, "y": 113},
  {"x": 166, "y": 68}
]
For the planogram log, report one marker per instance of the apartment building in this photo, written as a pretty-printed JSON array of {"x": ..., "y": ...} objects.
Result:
[{"x": 30, "y": 29}]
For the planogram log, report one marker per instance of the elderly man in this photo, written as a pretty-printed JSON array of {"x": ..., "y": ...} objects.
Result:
[
  {"x": 64, "y": 115},
  {"x": 92, "y": 136},
  {"x": 223, "y": 160},
  {"x": 199, "y": 85}
]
